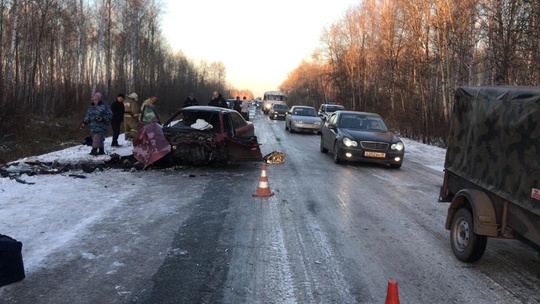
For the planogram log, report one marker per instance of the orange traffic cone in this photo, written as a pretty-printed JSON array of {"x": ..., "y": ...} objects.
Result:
[
  {"x": 263, "y": 190},
  {"x": 392, "y": 296}
]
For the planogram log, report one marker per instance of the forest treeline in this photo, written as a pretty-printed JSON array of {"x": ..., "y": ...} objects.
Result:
[
  {"x": 403, "y": 59},
  {"x": 55, "y": 53}
]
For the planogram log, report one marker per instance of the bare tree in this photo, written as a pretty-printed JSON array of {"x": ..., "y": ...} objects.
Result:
[{"x": 13, "y": 43}]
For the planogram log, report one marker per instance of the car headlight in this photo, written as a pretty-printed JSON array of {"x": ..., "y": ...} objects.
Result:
[
  {"x": 297, "y": 121},
  {"x": 317, "y": 123},
  {"x": 397, "y": 146},
  {"x": 349, "y": 142}
]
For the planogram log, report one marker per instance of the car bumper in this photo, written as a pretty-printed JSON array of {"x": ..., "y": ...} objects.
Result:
[
  {"x": 278, "y": 115},
  {"x": 370, "y": 156},
  {"x": 306, "y": 127}
]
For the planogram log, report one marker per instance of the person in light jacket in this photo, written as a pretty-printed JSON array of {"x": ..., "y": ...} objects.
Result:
[{"x": 131, "y": 115}]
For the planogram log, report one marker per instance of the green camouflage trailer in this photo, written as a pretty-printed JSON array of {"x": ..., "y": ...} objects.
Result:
[
  {"x": 492, "y": 168},
  {"x": 494, "y": 141}
]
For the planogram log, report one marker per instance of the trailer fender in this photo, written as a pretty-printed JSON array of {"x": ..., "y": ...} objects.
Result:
[{"x": 485, "y": 220}]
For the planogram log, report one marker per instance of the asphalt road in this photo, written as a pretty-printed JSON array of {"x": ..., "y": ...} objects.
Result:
[{"x": 330, "y": 234}]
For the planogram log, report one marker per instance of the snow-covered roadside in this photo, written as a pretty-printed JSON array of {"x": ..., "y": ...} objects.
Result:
[{"x": 51, "y": 210}]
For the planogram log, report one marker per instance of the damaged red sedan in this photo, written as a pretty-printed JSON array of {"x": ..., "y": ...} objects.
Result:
[{"x": 197, "y": 135}]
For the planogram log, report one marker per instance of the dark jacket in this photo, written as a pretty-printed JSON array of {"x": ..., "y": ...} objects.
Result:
[
  {"x": 117, "y": 109},
  {"x": 190, "y": 102},
  {"x": 98, "y": 117},
  {"x": 219, "y": 102},
  {"x": 236, "y": 106}
]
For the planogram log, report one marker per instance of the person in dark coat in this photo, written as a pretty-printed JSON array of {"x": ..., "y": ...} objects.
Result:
[
  {"x": 98, "y": 116},
  {"x": 237, "y": 104},
  {"x": 190, "y": 101},
  {"x": 117, "y": 109},
  {"x": 218, "y": 101}
]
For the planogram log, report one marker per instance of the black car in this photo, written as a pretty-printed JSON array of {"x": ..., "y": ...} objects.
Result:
[
  {"x": 361, "y": 136},
  {"x": 278, "y": 111}
]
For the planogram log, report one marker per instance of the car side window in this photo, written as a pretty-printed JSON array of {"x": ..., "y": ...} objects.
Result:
[
  {"x": 237, "y": 120},
  {"x": 227, "y": 125}
]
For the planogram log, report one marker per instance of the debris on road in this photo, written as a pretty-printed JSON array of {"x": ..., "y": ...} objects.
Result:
[{"x": 274, "y": 157}]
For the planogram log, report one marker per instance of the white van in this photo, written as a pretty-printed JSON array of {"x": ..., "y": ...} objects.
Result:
[{"x": 273, "y": 97}]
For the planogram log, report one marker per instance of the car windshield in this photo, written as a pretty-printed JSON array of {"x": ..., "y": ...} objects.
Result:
[
  {"x": 362, "y": 122},
  {"x": 330, "y": 109},
  {"x": 188, "y": 119},
  {"x": 305, "y": 111},
  {"x": 280, "y": 107},
  {"x": 275, "y": 97}
]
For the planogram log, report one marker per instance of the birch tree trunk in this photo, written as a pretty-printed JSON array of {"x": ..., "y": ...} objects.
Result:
[
  {"x": 13, "y": 43},
  {"x": 97, "y": 64}
]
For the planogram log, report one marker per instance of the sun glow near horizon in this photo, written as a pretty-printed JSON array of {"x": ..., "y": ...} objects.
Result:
[{"x": 258, "y": 42}]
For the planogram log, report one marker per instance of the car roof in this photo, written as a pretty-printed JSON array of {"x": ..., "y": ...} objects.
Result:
[
  {"x": 308, "y": 107},
  {"x": 357, "y": 113},
  {"x": 207, "y": 108}
]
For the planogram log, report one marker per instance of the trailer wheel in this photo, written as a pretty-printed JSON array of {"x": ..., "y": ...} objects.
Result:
[{"x": 466, "y": 245}]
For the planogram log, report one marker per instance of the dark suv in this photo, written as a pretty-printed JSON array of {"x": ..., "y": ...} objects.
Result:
[
  {"x": 326, "y": 109},
  {"x": 278, "y": 111}
]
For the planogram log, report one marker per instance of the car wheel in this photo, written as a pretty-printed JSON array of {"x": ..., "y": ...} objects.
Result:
[
  {"x": 466, "y": 245},
  {"x": 336, "y": 158},
  {"x": 322, "y": 148},
  {"x": 395, "y": 166}
]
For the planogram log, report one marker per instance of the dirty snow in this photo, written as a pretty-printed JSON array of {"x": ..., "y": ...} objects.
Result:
[{"x": 35, "y": 211}]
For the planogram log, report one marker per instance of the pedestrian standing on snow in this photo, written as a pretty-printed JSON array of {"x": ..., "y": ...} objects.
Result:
[
  {"x": 131, "y": 115},
  {"x": 117, "y": 109},
  {"x": 98, "y": 116}
]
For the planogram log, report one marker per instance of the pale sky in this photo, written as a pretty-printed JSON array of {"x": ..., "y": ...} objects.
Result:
[{"x": 259, "y": 42}]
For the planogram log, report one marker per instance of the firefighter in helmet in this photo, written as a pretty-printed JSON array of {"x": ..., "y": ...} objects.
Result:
[{"x": 131, "y": 115}]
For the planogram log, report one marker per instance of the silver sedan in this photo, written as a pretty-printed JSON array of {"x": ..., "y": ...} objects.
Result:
[{"x": 303, "y": 119}]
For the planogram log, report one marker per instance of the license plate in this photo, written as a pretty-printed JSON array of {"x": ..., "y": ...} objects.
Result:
[{"x": 374, "y": 154}]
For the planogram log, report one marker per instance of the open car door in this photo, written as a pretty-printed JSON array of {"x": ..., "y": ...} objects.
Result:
[
  {"x": 243, "y": 149},
  {"x": 150, "y": 144}
]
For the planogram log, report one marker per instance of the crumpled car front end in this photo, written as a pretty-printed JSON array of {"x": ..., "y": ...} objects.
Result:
[
  {"x": 202, "y": 135},
  {"x": 195, "y": 147}
]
